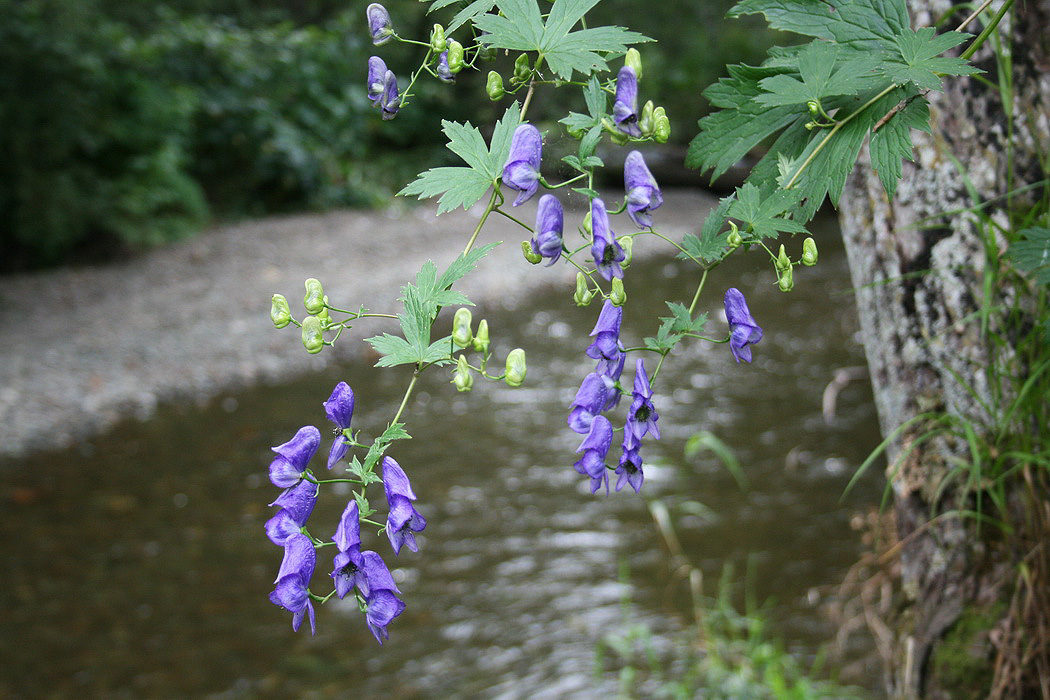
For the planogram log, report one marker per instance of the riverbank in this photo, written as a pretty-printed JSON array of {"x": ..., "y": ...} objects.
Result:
[{"x": 85, "y": 347}]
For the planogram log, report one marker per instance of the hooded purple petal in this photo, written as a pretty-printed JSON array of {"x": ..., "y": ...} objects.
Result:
[
  {"x": 377, "y": 575},
  {"x": 402, "y": 522},
  {"x": 444, "y": 73},
  {"x": 282, "y": 526},
  {"x": 625, "y": 107},
  {"x": 744, "y": 331},
  {"x": 390, "y": 101},
  {"x": 383, "y": 607},
  {"x": 606, "y": 252},
  {"x": 643, "y": 194},
  {"x": 340, "y": 405},
  {"x": 379, "y": 24},
  {"x": 522, "y": 169},
  {"x": 395, "y": 481},
  {"x": 292, "y": 595},
  {"x": 376, "y": 78},
  {"x": 348, "y": 534},
  {"x": 300, "y": 557},
  {"x": 630, "y": 466},
  {"x": 298, "y": 501},
  {"x": 547, "y": 241},
  {"x": 347, "y": 572}
]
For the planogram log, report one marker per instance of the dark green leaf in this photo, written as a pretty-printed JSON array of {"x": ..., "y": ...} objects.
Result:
[
  {"x": 822, "y": 73},
  {"x": 762, "y": 214},
  {"x": 710, "y": 245},
  {"x": 857, "y": 23},
  {"x": 918, "y": 60},
  {"x": 1031, "y": 254},
  {"x": 892, "y": 141}
]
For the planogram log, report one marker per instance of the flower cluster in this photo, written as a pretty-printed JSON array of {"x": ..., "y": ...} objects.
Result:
[
  {"x": 382, "y": 83},
  {"x": 353, "y": 569}
]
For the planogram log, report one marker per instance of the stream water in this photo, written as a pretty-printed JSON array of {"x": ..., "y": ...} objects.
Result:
[{"x": 135, "y": 565}]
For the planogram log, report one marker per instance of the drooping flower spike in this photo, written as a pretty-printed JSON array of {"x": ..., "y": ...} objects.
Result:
[
  {"x": 607, "y": 253},
  {"x": 743, "y": 330},
  {"x": 292, "y": 457},
  {"x": 403, "y": 520},
  {"x": 522, "y": 170},
  {"x": 547, "y": 241},
  {"x": 379, "y": 24},
  {"x": 625, "y": 107},
  {"x": 643, "y": 194}
]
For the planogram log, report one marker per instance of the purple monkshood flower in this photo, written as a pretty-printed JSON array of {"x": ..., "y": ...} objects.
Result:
[
  {"x": 546, "y": 242},
  {"x": 590, "y": 400},
  {"x": 606, "y": 251},
  {"x": 743, "y": 330},
  {"x": 293, "y": 580},
  {"x": 444, "y": 73},
  {"x": 382, "y": 606},
  {"x": 522, "y": 169},
  {"x": 376, "y": 78},
  {"x": 403, "y": 520},
  {"x": 379, "y": 24},
  {"x": 292, "y": 457},
  {"x": 348, "y": 534},
  {"x": 625, "y": 108},
  {"x": 390, "y": 100},
  {"x": 594, "y": 447},
  {"x": 643, "y": 194},
  {"x": 607, "y": 348},
  {"x": 340, "y": 410},
  {"x": 630, "y": 467},
  {"x": 642, "y": 415},
  {"x": 370, "y": 575},
  {"x": 295, "y": 503}
]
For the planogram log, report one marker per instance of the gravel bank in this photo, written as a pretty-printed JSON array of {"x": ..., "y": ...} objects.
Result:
[{"x": 85, "y": 347}]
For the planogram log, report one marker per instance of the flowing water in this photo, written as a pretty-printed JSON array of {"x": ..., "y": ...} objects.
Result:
[{"x": 136, "y": 565}]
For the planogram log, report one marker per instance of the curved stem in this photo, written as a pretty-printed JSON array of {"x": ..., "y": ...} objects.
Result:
[
  {"x": 515, "y": 220},
  {"x": 484, "y": 217},
  {"x": 404, "y": 400}
]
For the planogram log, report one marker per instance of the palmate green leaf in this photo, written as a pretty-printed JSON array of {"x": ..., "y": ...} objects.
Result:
[
  {"x": 468, "y": 13},
  {"x": 918, "y": 58},
  {"x": 395, "y": 431},
  {"x": 892, "y": 142},
  {"x": 710, "y": 245},
  {"x": 394, "y": 350},
  {"x": 460, "y": 186},
  {"x": 1031, "y": 253},
  {"x": 762, "y": 214},
  {"x": 520, "y": 27},
  {"x": 859, "y": 24},
  {"x": 673, "y": 326},
  {"x": 822, "y": 73}
]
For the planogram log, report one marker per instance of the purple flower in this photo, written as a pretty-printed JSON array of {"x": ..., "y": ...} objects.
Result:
[
  {"x": 743, "y": 331},
  {"x": 292, "y": 457},
  {"x": 403, "y": 520},
  {"x": 594, "y": 447},
  {"x": 340, "y": 410},
  {"x": 625, "y": 108},
  {"x": 379, "y": 24},
  {"x": 606, "y": 251},
  {"x": 643, "y": 194},
  {"x": 590, "y": 400},
  {"x": 376, "y": 78},
  {"x": 546, "y": 242},
  {"x": 295, "y": 503},
  {"x": 390, "y": 101},
  {"x": 348, "y": 534},
  {"x": 607, "y": 348},
  {"x": 444, "y": 73},
  {"x": 630, "y": 467},
  {"x": 293, "y": 580},
  {"x": 522, "y": 169},
  {"x": 381, "y": 608},
  {"x": 370, "y": 575},
  {"x": 642, "y": 415}
]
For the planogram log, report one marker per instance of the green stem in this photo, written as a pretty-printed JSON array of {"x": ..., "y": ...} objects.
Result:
[
  {"x": 983, "y": 36},
  {"x": 404, "y": 400},
  {"x": 515, "y": 220},
  {"x": 696, "y": 296},
  {"x": 484, "y": 217}
]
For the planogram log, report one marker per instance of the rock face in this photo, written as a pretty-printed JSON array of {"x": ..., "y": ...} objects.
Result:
[
  {"x": 919, "y": 267},
  {"x": 83, "y": 347}
]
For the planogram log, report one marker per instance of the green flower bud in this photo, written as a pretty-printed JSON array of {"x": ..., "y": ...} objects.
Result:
[
  {"x": 786, "y": 280},
  {"x": 633, "y": 60},
  {"x": 522, "y": 69},
  {"x": 481, "y": 338},
  {"x": 661, "y": 125},
  {"x": 313, "y": 340},
  {"x": 455, "y": 56},
  {"x": 437, "y": 39},
  {"x": 810, "y": 126},
  {"x": 618, "y": 295},
  {"x": 324, "y": 317},
  {"x": 280, "y": 313},
  {"x": 645, "y": 119},
  {"x": 463, "y": 379},
  {"x": 627, "y": 243},
  {"x": 526, "y": 250},
  {"x": 515, "y": 368},
  {"x": 461, "y": 322},
  {"x": 583, "y": 294},
  {"x": 734, "y": 240},
  {"x": 494, "y": 85},
  {"x": 487, "y": 53},
  {"x": 783, "y": 262},
  {"x": 809, "y": 252},
  {"x": 814, "y": 108},
  {"x": 314, "y": 299},
  {"x": 586, "y": 225}
]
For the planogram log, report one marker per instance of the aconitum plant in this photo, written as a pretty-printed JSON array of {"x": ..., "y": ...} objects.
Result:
[{"x": 791, "y": 103}]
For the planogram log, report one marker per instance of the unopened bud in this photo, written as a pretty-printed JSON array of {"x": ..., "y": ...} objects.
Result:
[
  {"x": 324, "y": 317},
  {"x": 809, "y": 252},
  {"x": 627, "y": 243},
  {"x": 530, "y": 255},
  {"x": 814, "y": 108},
  {"x": 314, "y": 299},
  {"x": 515, "y": 368},
  {"x": 463, "y": 379},
  {"x": 494, "y": 86},
  {"x": 437, "y": 39},
  {"x": 455, "y": 56},
  {"x": 645, "y": 119},
  {"x": 734, "y": 240},
  {"x": 661, "y": 125},
  {"x": 583, "y": 294},
  {"x": 461, "y": 322},
  {"x": 522, "y": 70},
  {"x": 618, "y": 295},
  {"x": 586, "y": 225},
  {"x": 481, "y": 338},
  {"x": 786, "y": 280},
  {"x": 313, "y": 340},
  {"x": 783, "y": 262},
  {"x": 633, "y": 60},
  {"x": 280, "y": 313}
]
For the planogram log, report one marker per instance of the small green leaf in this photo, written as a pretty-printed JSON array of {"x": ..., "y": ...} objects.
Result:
[
  {"x": 918, "y": 60},
  {"x": 762, "y": 214},
  {"x": 1031, "y": 253},
  {"x": 892, "y": 142},
  {"x": 710, "y": 245},
  {"x": 586, "y": 192},
  {"x": 822, "y": 73}
]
